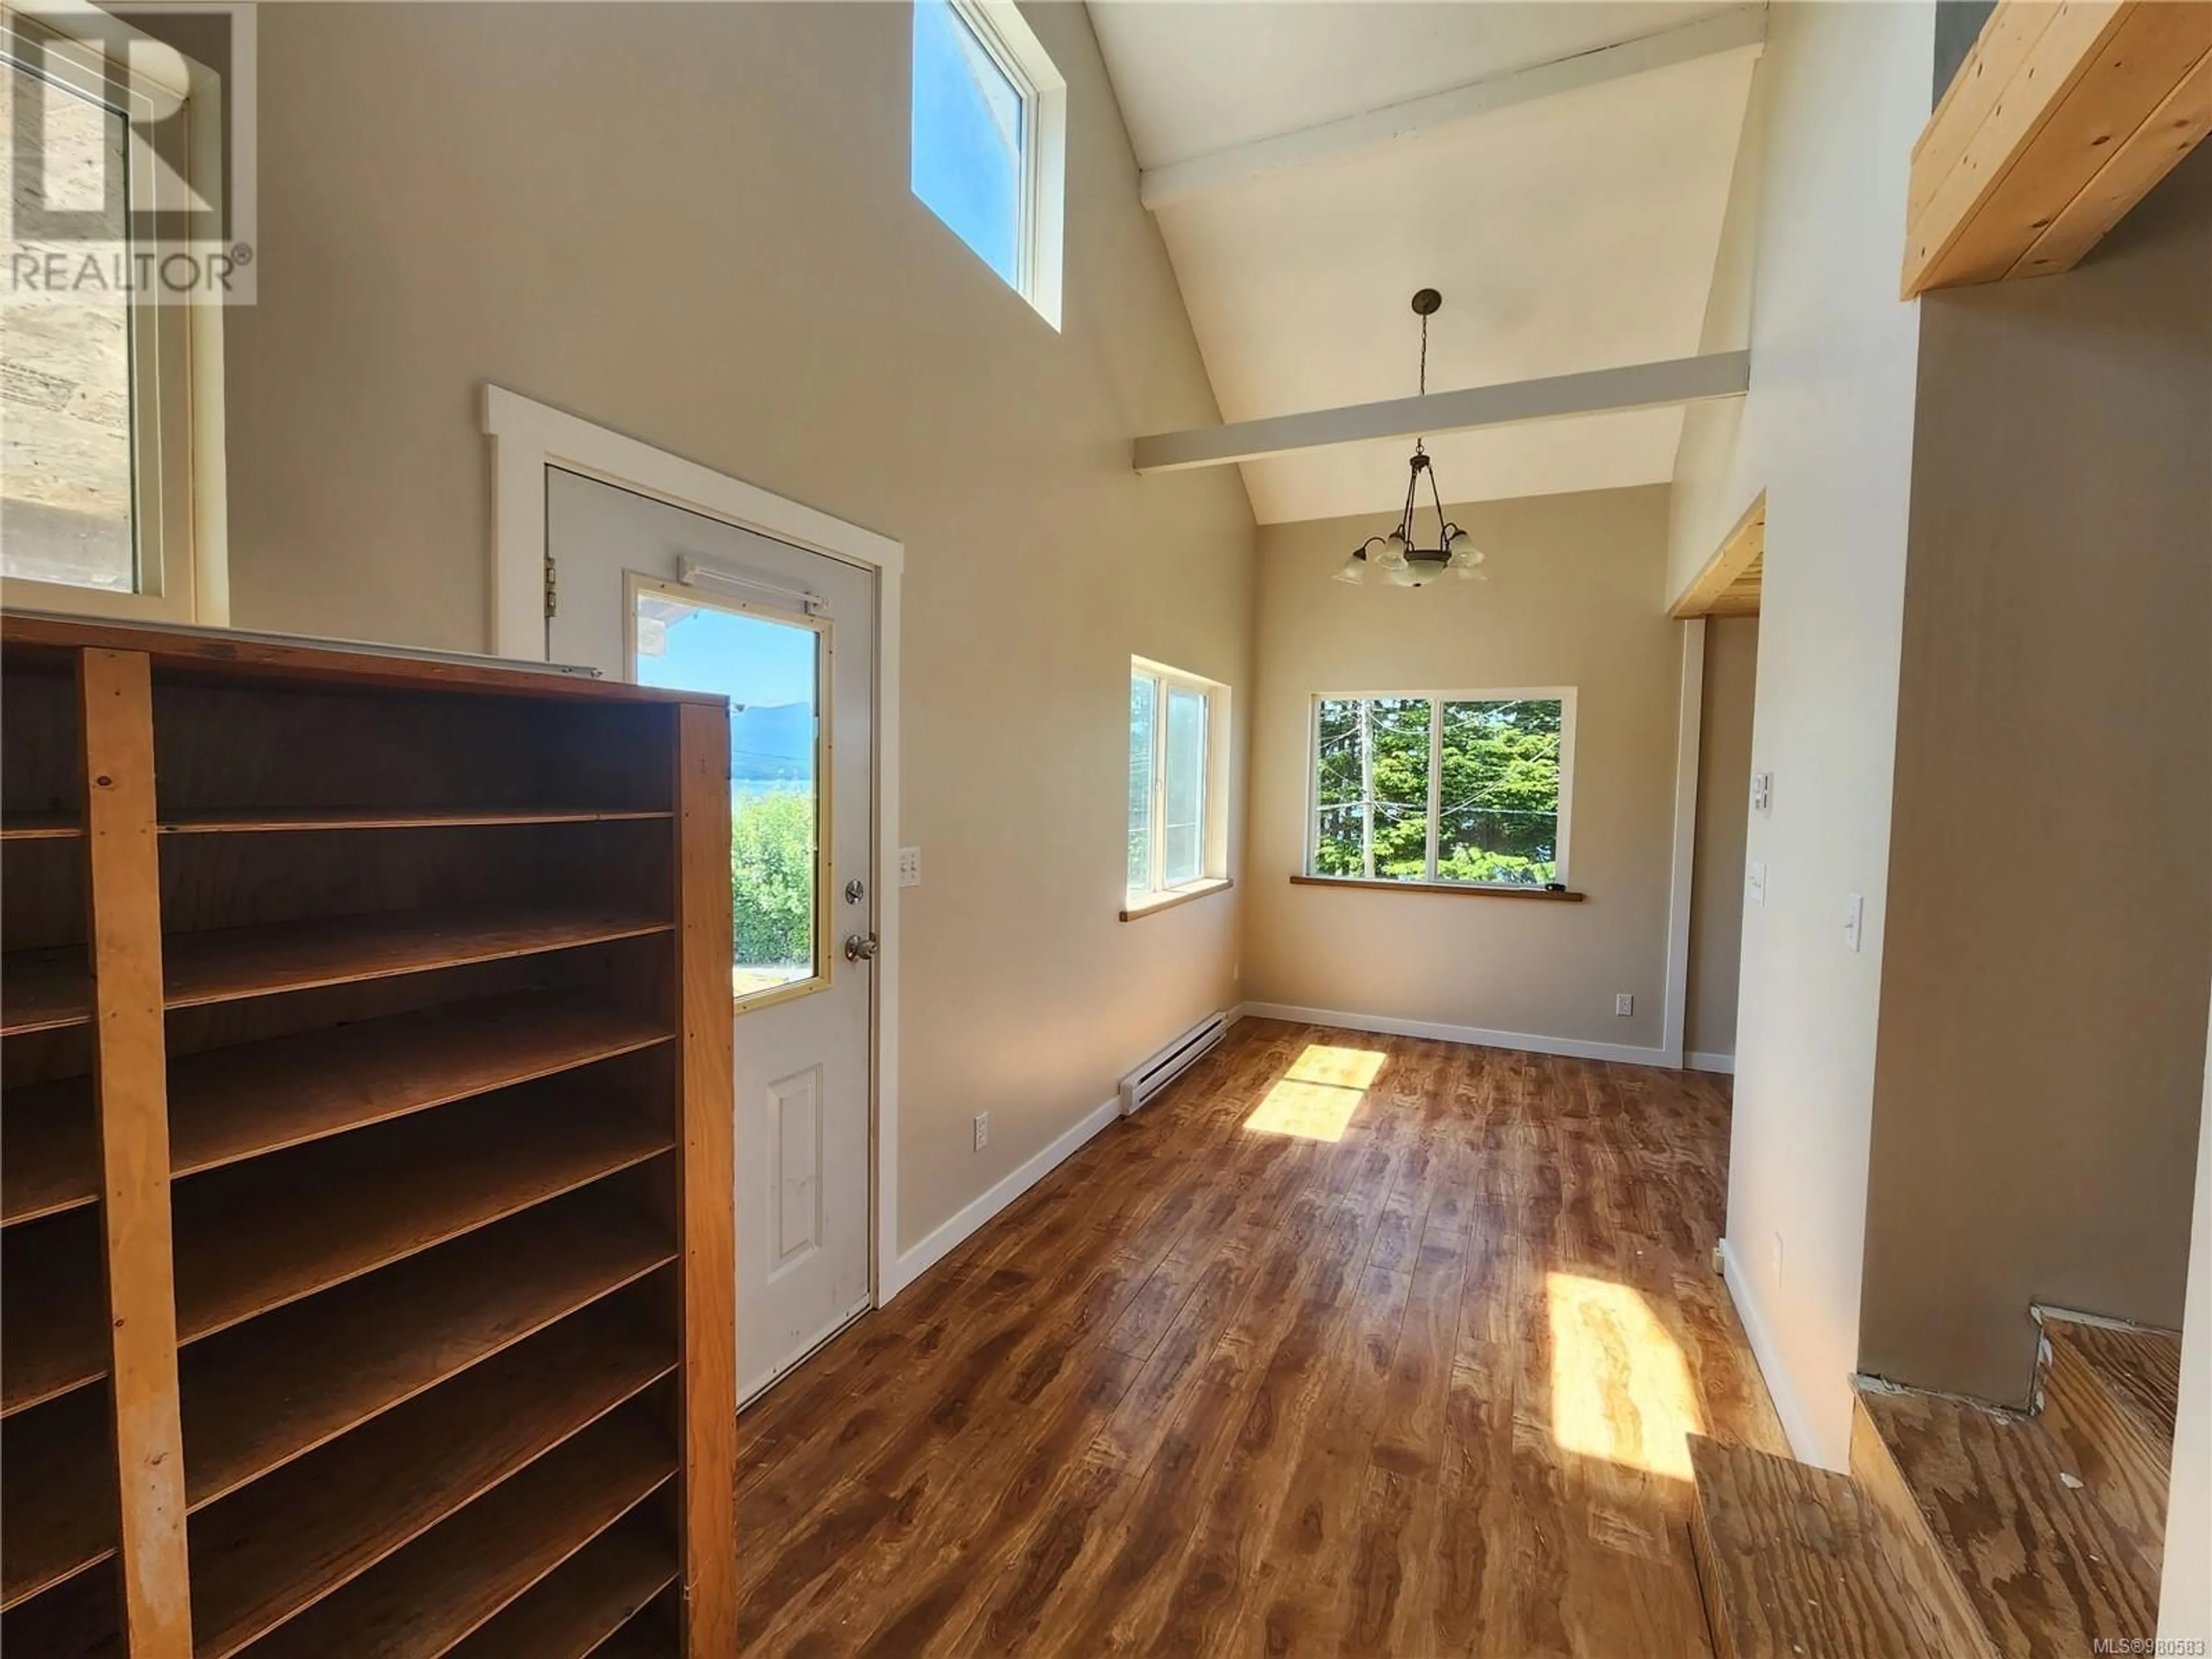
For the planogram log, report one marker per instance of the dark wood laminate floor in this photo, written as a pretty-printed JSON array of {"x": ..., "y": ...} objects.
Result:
[{"x": 1350, "y": 1345}]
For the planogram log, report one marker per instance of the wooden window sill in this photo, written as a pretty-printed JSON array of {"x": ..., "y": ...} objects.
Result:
[
  {"x": 1152, "y": 903},
  {"x": 1459, "y": 889}
]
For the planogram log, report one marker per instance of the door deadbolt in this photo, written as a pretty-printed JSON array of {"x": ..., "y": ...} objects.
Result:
[{"x": 855, "y": 891}]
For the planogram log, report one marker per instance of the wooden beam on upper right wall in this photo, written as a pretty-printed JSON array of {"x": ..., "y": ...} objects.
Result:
[
  {"x": 2063, "y": 116},
  {"x": 1729, "y": 584}
]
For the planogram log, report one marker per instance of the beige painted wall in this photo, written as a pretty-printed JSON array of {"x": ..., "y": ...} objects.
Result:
[
  {"x": 1723, "y": 810},
  {"x": 692, "y": 223},
  {"x": 1827, "y": 432},
  {"x": 2043, "y": 1008},
  {"x": 1569, "y": 602}
]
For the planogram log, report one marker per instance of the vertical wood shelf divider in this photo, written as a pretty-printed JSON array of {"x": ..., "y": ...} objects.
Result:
[{"x": 366, "y": 1244}]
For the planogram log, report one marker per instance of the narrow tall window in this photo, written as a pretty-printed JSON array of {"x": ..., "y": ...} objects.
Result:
[
  {"x": 1176, "y": 722},
  {"x": 1458, "y": 786},
  {"x": 989, "y": 126},
  {"x": 111, "y": 477}
]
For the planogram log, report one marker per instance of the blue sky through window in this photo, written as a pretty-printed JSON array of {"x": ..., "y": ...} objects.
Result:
[
  {"x": 967, "y": 136},
  {"x": 767, "y": 667}
]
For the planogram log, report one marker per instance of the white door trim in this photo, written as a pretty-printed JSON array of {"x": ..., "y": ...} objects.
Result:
[{"x": 526, "y": 438}]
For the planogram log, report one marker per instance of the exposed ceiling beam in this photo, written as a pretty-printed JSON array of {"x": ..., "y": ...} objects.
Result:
[
  {"x": 1743, "y": 29},
  {"x": 1600, "y": 392}
]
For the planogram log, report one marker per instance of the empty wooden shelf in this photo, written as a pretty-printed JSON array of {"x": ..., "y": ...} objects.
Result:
[{"x": 364, "y": 1155}]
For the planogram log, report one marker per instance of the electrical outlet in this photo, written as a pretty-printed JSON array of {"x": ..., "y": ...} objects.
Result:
[
  {"x": 982, "y": 1130},
  {"x": 1778, "y": 1262},
  {"x": 1755, "y": 881},
  {"x": 1625, "y": 1004},
  {"x": 909, "y": 867},
  {"x": 1854, "y": 920}
]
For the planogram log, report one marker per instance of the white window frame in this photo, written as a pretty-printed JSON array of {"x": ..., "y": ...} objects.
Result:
[
  {"x": 1562, "y": 695},
  {"x": 1041, "y": 190},
  {"x": 1213, "y": 818},
  {"x": 179, "y": 524}
]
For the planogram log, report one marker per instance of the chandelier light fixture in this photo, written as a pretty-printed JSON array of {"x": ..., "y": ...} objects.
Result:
[{"x": 1398, "y": 557}]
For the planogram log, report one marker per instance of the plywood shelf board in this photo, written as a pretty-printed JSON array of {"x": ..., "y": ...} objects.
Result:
[
  {"x": 53, "y": 1318},
  {"x": 58, "y": 1491},
  {"x": 277, "y": 820},
  {"x": 591, "y": 1597},
  {"x": 79, "y": 1618},
  {"x": 270, "y": 1552},
  {"x": 226, "y": 1104},
  {"x": 41, "y": 826},
  {"x": 48, "y": 990},
  {"x": 273, "y": 1390},
  {"x": 48, "y": 1150},
  {"x": 44, "y": 990},
  {"x": 449, "y": 1582},
  {"x": 254, "y": 1237},
  {"x": 294, "y": 956}
]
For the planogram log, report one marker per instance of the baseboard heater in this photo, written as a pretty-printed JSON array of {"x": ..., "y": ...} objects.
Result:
[{"x": 1171, "y": 1062}]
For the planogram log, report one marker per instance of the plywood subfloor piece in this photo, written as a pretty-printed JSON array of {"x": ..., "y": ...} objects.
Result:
[
  {"x": 459, "y": 1576},
  {"x": 2046, "y": 1568},
  {"x": 259, "y": 1396},
  {"x": 1795, "y": 1562},
  {"x": 2104, "y": 1402}
]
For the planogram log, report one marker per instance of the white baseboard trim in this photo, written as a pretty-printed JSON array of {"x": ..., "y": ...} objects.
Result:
[
  {"x": 1527, "y": 1041},
  {"x": 1787, "y": 1406},
  {"x": 1701, "y": 1062},
  {"x": 940, "y": 1243}
]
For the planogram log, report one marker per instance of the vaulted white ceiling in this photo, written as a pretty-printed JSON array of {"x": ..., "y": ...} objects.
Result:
[{"x": 1568, "y": 232}]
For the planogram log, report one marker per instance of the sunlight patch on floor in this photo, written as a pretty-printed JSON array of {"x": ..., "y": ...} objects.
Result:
[
  {"x": 1620, "y": 1388},
  {"x": 1320, "y": 1094}
]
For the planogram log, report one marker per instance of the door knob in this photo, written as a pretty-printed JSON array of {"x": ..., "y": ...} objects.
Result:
[{"x": 860, "y": 947}]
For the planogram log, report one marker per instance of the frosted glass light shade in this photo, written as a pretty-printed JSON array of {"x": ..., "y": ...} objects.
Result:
[
  {"x": 1393, "y": 556},
  {"x": 1354, "y": 571}
]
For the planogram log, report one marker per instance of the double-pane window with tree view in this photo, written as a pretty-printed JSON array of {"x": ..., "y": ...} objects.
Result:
[
  {"x": 1171, "y": 719},
  {"x": 1461, "y": 786}
]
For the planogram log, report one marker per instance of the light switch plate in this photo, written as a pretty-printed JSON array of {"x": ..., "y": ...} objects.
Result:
[
  {"x": 1754, "y": 881},
  {"x": 1854, "y": 920},
  {"x": 1762, "y": 792},
  {"x": 909, "y": 867}
]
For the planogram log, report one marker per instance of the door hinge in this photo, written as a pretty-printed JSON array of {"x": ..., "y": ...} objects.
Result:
[{"x": 552, "y": 589}]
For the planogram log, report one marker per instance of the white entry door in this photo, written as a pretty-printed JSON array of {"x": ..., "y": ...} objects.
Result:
[{"x": 651, "y": 592}]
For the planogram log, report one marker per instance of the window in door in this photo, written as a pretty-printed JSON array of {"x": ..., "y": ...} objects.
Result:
[
  {"x": 1464, "y": 787},
  {"x": 1178, "y": 732},
  {"x": 772, "y": 665}
]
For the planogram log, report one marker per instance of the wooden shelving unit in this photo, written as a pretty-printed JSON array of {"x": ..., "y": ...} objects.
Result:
[{"x": 365, "y": 1280}]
